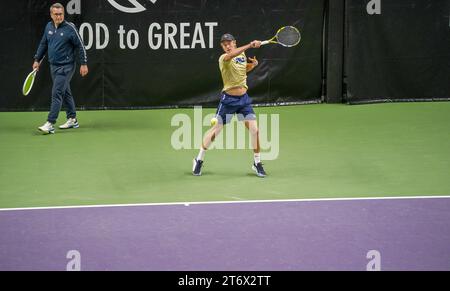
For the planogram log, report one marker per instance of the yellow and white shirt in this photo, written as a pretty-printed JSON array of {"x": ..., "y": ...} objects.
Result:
[{"x": 234, "y": 71}]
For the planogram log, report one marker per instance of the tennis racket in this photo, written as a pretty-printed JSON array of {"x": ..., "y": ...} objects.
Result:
[
  {"x": 29, "y": 81},
  {"x": 287, "y": 36}
]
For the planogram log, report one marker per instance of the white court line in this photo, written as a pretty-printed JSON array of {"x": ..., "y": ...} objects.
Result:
[{"x": 228, "y": 202}]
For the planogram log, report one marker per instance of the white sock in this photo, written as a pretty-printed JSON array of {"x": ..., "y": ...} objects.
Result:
[
  {"x": 201, "y": 154},
  {"x": 257, "y": 157}
]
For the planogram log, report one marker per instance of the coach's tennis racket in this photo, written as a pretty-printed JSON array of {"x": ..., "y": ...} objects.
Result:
[
  {"x": 29, "y": 81},
  {"x": 287, "y": 36}
]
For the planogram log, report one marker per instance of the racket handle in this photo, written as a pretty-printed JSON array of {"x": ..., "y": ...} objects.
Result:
[{"x": 265, "y": 42}]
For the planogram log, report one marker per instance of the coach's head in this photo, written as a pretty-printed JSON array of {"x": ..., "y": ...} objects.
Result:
[{"x": 57, "y": 13}]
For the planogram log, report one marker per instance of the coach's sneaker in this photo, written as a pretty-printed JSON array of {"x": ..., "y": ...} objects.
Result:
[
  {"x": 47, "y": 128},
  {"x": 258, "y": 168},
  {"x": 70, "y": 123},
  {"x": 197, "y": 167}
]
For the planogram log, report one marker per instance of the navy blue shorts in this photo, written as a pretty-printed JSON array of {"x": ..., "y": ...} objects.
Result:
[{"x": 230, "y": 105}]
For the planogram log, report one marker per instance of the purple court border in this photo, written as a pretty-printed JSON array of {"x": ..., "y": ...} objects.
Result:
[{"x": 409, "y": 234}]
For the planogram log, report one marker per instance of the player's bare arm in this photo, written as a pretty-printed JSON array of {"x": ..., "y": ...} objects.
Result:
[{"x": 233, "y": 52}]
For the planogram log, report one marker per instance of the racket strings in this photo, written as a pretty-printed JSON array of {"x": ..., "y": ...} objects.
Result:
[
  {"x": 289, "y": 36},
  {"x": 28, "y": 83}
]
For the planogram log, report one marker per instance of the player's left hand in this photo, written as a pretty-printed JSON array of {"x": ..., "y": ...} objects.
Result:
[
  {"x": 254, "y": 61},
  {"x": 84, "y": 70}
]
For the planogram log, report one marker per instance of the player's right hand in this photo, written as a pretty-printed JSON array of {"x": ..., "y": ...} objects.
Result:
[
  {"x": 36, "y": 66},
  {"x": 255, "y": 44}
]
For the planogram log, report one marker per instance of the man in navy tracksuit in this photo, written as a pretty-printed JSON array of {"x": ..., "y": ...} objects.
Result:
[{"x": 61, "y": 40}]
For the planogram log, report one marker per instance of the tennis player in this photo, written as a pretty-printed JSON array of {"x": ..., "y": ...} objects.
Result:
[
  {"x": 234, "y": 100},
  {"x": 61, "y": 40}
]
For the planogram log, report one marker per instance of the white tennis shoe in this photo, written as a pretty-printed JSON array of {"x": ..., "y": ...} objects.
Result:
[
  {"x": 47, "y": 128},
  {"x": 70, "y": 123}
]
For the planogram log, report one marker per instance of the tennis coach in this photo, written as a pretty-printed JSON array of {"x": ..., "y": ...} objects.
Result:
[{"x": 61, "y": 40}]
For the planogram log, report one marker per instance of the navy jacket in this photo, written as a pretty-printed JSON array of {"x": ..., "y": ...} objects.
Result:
[{"x": 61, "y": 44}]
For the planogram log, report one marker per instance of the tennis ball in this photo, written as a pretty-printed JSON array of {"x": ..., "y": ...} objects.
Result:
[{"x": 213, "y": 121}]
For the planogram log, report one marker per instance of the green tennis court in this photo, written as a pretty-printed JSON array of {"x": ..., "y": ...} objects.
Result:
[{"x": 326, "y": 151}]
